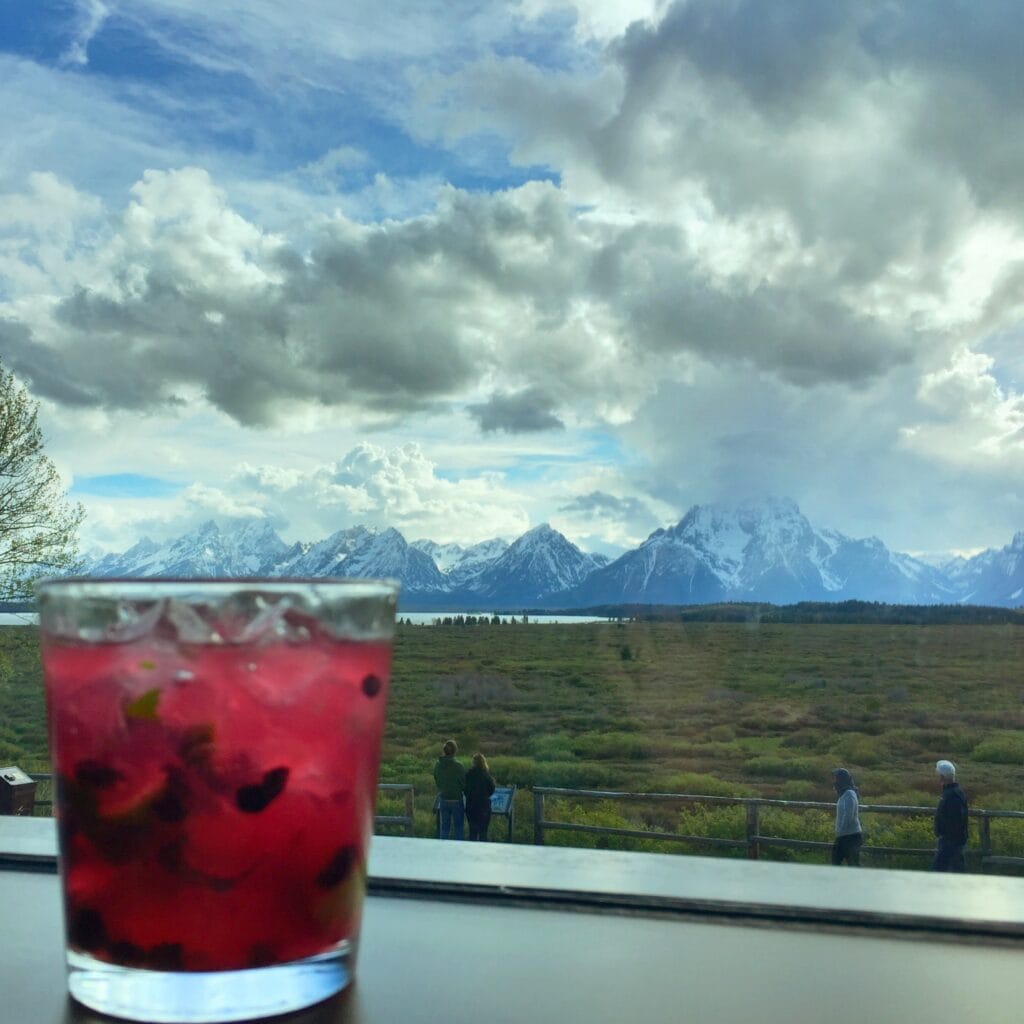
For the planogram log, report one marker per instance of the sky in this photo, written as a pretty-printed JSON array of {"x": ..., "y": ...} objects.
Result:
[{"x": 463, "y": 267}]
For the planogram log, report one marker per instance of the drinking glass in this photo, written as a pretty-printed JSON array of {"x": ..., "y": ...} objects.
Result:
[{"x": 215, "y": 746}]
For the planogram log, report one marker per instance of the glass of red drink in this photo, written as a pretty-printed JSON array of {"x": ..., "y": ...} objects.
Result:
[{"x": 215, "y": 745}]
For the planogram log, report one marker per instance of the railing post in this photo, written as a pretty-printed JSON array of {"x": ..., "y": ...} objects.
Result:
[
  {"x": 986, "y": 838},
  {"x": 753, "y": 829},
  {"x": 538, "y": 818},
  {"x": 409, "y": 830}
]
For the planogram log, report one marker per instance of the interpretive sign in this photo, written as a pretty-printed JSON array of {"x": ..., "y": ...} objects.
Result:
[{"x": 502, "y": 806}]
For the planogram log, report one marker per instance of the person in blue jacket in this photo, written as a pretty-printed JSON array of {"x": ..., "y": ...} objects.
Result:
[{"x": 849, "y": 835}]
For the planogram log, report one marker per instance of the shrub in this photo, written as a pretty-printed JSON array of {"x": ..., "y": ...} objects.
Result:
[
  {"x": 609, "y": 745},
  {"x": 858, "y": 748},
  {"x": 605, "y": 815},
  {"x": 813, "y": 741},
  {"x": 1004, "y": 748},
  {"x": 557, "y": 747},
  {"x": 799, "y": 789},
  {"x": 517, "y": 771},
  {"x": 771, "y": 767},
  {"x": 721, "y": 733},
  {"x": 717, "y": 822},
  {"x": 576, "y": 775},
  {"x": 907, "y": 833},
  {"x": 700, "y": 784}
]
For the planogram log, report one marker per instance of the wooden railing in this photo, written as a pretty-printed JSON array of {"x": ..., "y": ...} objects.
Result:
[
  {"x": 753, "y": 840},
  {"x": 405, "y": 819}
]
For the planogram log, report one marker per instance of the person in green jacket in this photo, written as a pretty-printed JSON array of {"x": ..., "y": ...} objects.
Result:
[{"x": 450, "y": 777}]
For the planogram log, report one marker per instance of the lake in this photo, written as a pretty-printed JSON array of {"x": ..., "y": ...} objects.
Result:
[{"x": 417, "y": 618}]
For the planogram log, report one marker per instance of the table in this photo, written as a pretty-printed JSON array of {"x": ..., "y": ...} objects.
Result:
[{"x": 460, "y": 932}]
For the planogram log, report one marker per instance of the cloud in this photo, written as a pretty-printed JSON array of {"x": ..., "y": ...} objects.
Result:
[
  {"x": 597, "y": 20},
  {"x": 88, "y": 19},
  {"x": 968, "y": 419},
  {"x": 185, "y": 298},
  {"x": 823, "y": 149},
  {"x": 375, "y": 486},
  {"x": 598, "y": 504},
  {"x": 524, "y": 412}
]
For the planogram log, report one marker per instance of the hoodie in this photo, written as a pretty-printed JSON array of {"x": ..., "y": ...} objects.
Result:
[{"x": 847, "y": 804}]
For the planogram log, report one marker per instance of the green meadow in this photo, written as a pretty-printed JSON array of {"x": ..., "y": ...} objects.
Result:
[{"x": 727, "y": 709}]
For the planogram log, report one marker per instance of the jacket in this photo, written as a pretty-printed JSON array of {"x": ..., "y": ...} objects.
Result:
[
  {"x": 450, "y": 777},
  {"x": 479, "y": 787},
  {"x": 951, "y": 814}
]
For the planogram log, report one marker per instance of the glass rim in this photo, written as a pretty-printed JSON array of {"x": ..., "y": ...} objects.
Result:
[{"x": 273, "y": 584}]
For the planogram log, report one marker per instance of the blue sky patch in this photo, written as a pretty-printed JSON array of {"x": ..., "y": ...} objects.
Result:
[{"x": 124, "y": 485}]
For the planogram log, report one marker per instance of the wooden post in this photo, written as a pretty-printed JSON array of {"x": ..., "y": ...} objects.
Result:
[
  {"x": 986, "y": 839},
  {"x": 753, "y": 824},
  {"x": 538, "y": 818},
  {"x": 409, "y": 831}
]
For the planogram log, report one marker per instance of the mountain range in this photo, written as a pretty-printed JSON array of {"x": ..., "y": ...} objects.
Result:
[{"x": 756, "y": 551}]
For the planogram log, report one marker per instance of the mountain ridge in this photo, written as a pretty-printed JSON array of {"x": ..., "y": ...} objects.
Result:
[{"x": 756, "y": 551}]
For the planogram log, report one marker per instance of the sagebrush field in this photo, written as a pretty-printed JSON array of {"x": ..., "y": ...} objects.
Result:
[{"x": 711, "y": 708}]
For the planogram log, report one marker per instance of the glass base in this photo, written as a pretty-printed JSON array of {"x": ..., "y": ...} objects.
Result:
[{"x": 184, "y": 997}]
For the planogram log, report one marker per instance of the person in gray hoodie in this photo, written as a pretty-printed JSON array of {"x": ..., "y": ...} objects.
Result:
[{"x": 849, "y": 835}]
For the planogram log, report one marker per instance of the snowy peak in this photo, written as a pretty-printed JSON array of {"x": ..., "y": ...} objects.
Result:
[
  {"x": 462, "y": 563},
  {"x": 760, "y": 551},
  {"x": 540, "y": 563},
  {"x": 995, "y": 576},
  {"x": 251, "y": 548}
]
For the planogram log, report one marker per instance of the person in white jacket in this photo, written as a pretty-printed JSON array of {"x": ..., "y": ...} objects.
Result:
[{"x": 849, "y": 835}]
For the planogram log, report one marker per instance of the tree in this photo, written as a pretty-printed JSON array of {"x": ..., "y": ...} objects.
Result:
[{"x": 38, "y": 525}]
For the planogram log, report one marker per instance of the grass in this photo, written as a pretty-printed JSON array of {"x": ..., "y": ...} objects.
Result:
[{"x": 719, "y": 708}]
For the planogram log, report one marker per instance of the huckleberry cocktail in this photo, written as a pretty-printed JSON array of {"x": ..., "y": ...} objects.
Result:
[{"x": 216, "y": 749}]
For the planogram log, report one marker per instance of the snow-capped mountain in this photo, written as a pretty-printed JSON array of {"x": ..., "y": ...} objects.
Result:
[
  {"x": 757, "y": 551},
  {"x": 993, "y": 577},
  {"x": 540, "y": 563},
  {"x": 363, "y": 553},
  {"x": 251, "y": 549},
  {"x": 462, "y": 564}
]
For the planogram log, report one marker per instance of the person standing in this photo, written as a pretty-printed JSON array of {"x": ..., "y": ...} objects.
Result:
[
  {"x": 849, "y": 835},
  {"x": 950, "y": 821},
  {"x": 479, "y": 787},
  {"x": 450, "y": 777}
]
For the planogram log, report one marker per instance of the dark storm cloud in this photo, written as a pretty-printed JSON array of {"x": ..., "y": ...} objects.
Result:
[
  {"x": 668, "y": 305},
  {"x": 526, "y": 411},
  {"x": 392, "y": 318},
  {"x": 836, "y": 160},
  {"x": 41, "y": 367},
  {"x": 871, "y": 127},
  {"x": 775, "y": 52},
  {"x": 601, "y": 505},
  {"x": 405, "y": 316}
]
